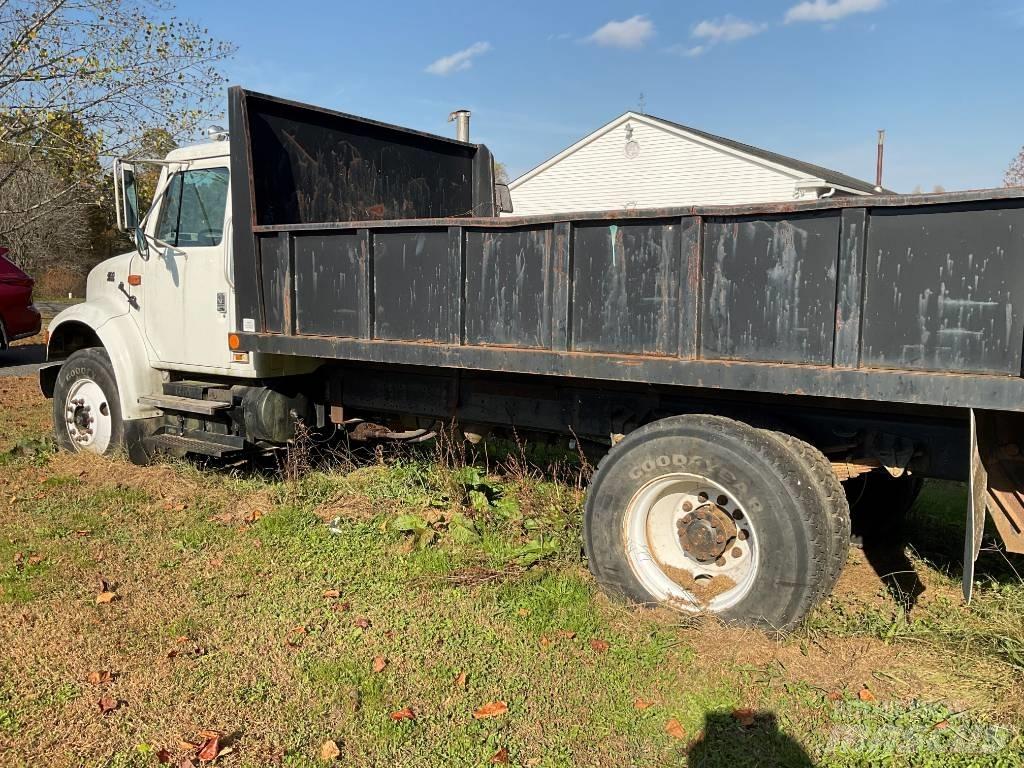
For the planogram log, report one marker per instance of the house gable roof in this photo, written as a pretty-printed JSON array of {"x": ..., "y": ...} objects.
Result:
[{"x": 796, "y": 168}]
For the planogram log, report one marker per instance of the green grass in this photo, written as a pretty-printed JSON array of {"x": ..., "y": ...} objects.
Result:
[{"x": 222, "y": 621}]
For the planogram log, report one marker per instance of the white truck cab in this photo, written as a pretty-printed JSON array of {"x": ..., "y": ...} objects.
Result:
[{"x": 160, "y": 311}]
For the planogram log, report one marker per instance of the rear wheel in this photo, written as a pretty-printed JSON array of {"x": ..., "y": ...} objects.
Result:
[
  {"x": 86, "y": 408},
  {"x": 706, "y": 514},
  {"x": 832, "y": 497}
]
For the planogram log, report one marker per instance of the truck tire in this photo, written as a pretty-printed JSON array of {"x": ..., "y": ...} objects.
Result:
[
  {"x": 86, "y": 406},
  {"x": 833, "y": 499},
  {"x": 879, "y": 503},
  {"x": 706, "y": 514}
]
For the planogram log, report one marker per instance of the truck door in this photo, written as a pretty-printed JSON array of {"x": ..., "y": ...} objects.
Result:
[{"x": 184, "y": 283}]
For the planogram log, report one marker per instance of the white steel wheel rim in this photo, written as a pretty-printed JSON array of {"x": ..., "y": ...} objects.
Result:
[
  {"x": 654, "y": 539},
  {"x": 87, "y": 416}
]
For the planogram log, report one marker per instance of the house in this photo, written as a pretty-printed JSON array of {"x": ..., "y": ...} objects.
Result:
[{"x": 642, "y": 161}]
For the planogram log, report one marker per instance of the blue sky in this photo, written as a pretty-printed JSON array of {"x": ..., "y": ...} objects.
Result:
[{"x": 813, "y": 79}]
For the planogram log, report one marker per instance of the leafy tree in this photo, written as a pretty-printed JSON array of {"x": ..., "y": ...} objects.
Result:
[
  {"x": 81, "y": 80},
  {"x": 1015, "y": 173},
  {"x": 500, "y": 173}
]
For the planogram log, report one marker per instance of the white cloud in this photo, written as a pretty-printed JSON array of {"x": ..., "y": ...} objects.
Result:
[
  {"x": 830, "y": 10},
  {"x": 459, "y": 60},
  {"x": 630, "y": 33},
  {"x": 708, "y": 33},
  {"x": 726, "y": 30}
]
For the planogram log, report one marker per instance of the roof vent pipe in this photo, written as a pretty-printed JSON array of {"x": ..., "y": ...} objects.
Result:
[{"x": 461, "y": 119}]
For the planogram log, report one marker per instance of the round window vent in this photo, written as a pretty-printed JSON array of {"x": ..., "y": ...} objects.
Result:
[{"x": 632, "y": 149}]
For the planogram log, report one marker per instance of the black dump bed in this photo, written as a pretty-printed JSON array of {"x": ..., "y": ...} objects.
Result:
[{"x": 356, "y": 240}]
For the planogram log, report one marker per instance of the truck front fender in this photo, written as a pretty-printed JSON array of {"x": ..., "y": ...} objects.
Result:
[{"x": 106, "y": 324}]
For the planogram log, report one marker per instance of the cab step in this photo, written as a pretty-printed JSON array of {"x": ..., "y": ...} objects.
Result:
[
  {"x": 202, "y": 443},
  {"x": 184, "y": 404}
]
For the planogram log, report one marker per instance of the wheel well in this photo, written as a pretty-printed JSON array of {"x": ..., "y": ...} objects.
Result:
[{"x": 71, "y": 337}]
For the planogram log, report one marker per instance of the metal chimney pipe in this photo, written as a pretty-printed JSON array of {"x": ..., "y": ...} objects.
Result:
[
  {"x": 461, "y": 119},
  {"x": 881, "y": 153}
]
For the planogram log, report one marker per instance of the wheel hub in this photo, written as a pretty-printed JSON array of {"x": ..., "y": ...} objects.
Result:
[
  {"x": 87, "y": 416},
  {"x": 706, "y": 532}
]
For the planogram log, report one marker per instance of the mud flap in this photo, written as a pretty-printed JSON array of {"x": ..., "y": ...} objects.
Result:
[{"x": 975, "y": 508}]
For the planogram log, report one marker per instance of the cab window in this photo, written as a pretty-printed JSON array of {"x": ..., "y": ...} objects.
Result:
[{"x": 193, "y": 211}]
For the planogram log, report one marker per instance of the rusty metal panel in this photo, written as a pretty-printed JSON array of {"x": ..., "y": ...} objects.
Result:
[
  {"x": 313, "y": 165},
  {"x": 945, "y": 289},
  {"x": 850, "y": 287},
  {"x": 561, "y": 274},
  {"x": 689, "y": 303},
  {"x": 508, "y": 287},
  {"x": 625, "y": 288},
  {"x": 329, "y": 269},
  {"x": 770, "y": 288},
  {"x": 275, "y": 282},
  {"x": 415, "y": 297}
]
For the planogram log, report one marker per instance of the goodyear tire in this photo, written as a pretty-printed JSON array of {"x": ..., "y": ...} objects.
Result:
[
  {"x": 832, "y": 497},
  {"x": 707, "y": 514},
  {"x": 86, "y": 406}
]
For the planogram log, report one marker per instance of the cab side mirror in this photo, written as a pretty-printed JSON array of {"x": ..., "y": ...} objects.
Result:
[
  {"x": 502, "y": 198},
  {"x": 126, "y": 198}
]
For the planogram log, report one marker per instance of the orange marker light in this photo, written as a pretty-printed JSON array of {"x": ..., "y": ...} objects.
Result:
[
  {"x": 134, "y": 279},
  {"x": 233, "y": 341}
]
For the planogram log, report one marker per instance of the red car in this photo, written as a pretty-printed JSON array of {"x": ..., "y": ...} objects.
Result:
[{"x": 18, "y": 316}]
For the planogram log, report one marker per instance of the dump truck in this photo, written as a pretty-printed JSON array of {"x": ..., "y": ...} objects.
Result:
[{"x": 745, "y": 372}]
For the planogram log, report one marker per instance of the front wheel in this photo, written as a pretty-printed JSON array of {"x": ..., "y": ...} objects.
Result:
[
  {"x": 86, "y": 408},
  {"x": 707, "y": 514}
]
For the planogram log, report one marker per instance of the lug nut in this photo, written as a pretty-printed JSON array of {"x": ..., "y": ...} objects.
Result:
[
  {"x": 743, "y": 535},
  {"x": 736, "y": 552},
  {"x": 687, "y": 506},
  {"x": 720, "y": 562}
]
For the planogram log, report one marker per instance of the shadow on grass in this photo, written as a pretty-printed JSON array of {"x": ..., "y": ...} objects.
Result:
[
  {"x": 725, "y": 742},
  {"x": 934, "y": 531}
]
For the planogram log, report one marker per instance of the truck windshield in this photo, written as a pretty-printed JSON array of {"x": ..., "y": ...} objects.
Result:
[{"x": 193, "y": 210}]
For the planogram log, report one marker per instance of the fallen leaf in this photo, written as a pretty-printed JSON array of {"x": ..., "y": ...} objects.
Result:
[
  {"x": 500, "y": 757},
  {"x": 105, "y": 597},
  {"x": 216, "y": 562},
  {"x": 600, "y": 646},
  {"x": 639, "y": 703},
  {"x": 865, "y": 695},
  {"x": 163, "y": 756},
  {"x": 18, "y": 558},
  {"x": 491, "y": 709},
  {"x": 460, "y": 680},
  {"x": 35, "y": 560},
  {"x": 100, "y": 678},
  {"x": 187, "y": 762},
  {"x": 744, "y": 716},
  {"x": 210, "y": 747},
  {"x": 403, "y": 714},
  {"x": 566, "y": 634},
  {"x": 544, "y": 641},
  {"x": 941, "y": 725},
  {"x": 106, "y": 704},
  {"x": 379, "y": 662},
  {"x": 332, "y": 593},
  {"x": 342, "y": 607},
  {"x": 362, "y": 622},
  {"x": 835, "y": 696},
  {"x": 329, "y": 751},
  {"x": 675, "y": 729}
]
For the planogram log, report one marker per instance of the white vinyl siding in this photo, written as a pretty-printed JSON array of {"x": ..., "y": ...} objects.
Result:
[{"x": 670, "y": 170}]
